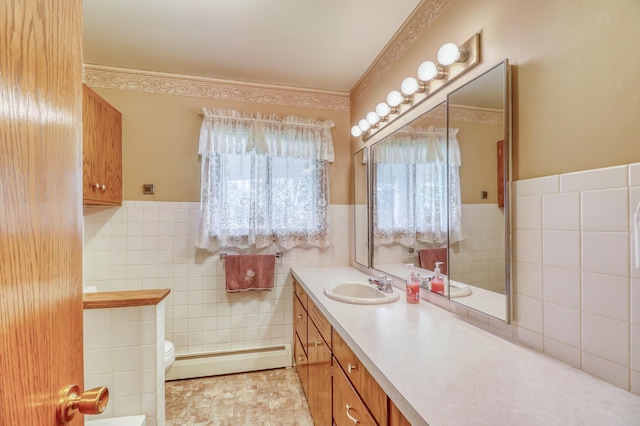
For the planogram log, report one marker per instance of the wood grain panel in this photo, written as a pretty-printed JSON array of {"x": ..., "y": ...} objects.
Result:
[
  {"x": 301, "y": 365},
  {"x": 324, "y": 326},
  {"x": 124, "y": 299},
  {"x": 300, "y": 323},
  {"x": 300, "y": 293},
  {"x": 319, "y": 377},
  {"x": 363, "y": 382},
  {"x": 346, "y": 402},
  {"x": 102, "y": 150},
  {"x": 395, "y": 416},
  {"x": 40, "y": 204}
]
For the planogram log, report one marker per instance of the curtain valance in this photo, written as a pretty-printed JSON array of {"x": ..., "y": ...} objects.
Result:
[
  {"x": 287, "y": 137},
  {"x": 417, "y": 145}
]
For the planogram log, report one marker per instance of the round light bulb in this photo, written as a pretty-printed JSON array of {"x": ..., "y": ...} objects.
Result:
[
  {"x": 409, "y": 86},
  {"x": 448, "y": 54},
  {"x": 373, "y": 118},
  {"x": 383, "y": 109},
  {"x": 364, "y": 125},
  {"x": 356, "y": 131},
  {"x": 394, "y": 98},
  {"x": 427, "y": 71}
]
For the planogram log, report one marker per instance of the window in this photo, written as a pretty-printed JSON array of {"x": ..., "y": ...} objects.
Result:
[
  {"x": 410, "y": 193},
  {"x": 264, "y": 181}
]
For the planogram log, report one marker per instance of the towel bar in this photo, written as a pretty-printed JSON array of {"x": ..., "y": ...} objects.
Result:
[{"x": 278, "y": 255}]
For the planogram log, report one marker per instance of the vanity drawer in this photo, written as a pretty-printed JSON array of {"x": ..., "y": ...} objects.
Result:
[
  {"x": 302, "y": 364},
  {"x": 300, "y": 323},
  {"x": 321, "y": 323},
  {"x": 300, "y": 293},
  {"x": 348, "y": 408},
  {"x": 372, "y": 394}
]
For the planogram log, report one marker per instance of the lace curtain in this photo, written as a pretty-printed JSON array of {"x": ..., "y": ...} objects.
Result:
[
  {"x": 264, "y": 181},
  {"x": 411, "y": 177}
]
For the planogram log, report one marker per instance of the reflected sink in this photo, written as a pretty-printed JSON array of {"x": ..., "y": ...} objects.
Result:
[
  {"x": 360, "y": 294},
  {"x": 459, "y": 290}
]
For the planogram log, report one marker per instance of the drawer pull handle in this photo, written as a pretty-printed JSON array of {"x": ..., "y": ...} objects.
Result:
[
  {"x": 353, "y": 419},
  {"x": 350, "y": 367},
  {"x": 318, "y": 343},
  {"x": 299, "y": 316},
  {"x": 300, "y": 358}
]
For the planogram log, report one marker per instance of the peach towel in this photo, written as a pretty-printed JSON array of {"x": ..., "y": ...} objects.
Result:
[
  {"x": 244, "y": 272},
  {"x": 429, "y": 257}
]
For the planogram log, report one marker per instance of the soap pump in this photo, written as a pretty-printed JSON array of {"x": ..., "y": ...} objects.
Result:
[
  {"x": 413, "y": 285},
  {"x": 437, "y": 283}
]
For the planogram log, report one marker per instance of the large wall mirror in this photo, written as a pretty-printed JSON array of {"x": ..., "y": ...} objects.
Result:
[{"x": 439, "y": 192}]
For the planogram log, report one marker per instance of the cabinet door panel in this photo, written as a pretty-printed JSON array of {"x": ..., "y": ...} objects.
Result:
[
  {"x": 348, "y": 408},
  {"x": 319, "y": 377},
  {"x": 300, "y": 323},
  {"x": 302, "y": 365}
]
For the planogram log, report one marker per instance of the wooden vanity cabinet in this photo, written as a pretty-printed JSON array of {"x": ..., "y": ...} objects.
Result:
[
  {"x": 339, "y": 389},
  {"x": 312, "y": 352},
  {"x": 101, "y": 151}
]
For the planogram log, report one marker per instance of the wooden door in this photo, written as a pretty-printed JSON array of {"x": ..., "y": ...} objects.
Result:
[
  {"x": 318, "y": 377},
  {"x": 40, "y": 207}
]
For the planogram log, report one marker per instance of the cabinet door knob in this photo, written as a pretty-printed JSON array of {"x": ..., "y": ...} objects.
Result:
[
  {"x": 300, "y": 358},
  {"x": 318, "y": 343},
  {"x": 103, "y": 187},
  {"x": 96, "y": 185},
  {"x": 299, "y": 316},
  {"x": 350, "y": 367},
  {"x": 353, "y": 419}
]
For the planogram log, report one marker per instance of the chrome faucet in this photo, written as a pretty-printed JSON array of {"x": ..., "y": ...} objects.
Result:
[{"x": 383, "y": 283}]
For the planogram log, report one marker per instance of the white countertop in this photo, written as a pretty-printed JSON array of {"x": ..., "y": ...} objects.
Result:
[{"x": 440, "y": 370}]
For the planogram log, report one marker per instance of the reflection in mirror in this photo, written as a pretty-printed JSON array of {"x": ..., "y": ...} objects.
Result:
[
  {"x": 361, "y": 211},
  {"x": 409, "y": 169},
  {"x": 437, "y": 204},
  {"x": 478, "y": 110}
]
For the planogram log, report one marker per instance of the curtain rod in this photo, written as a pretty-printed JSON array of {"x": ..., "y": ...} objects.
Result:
[{"x": 263, "y": 120}]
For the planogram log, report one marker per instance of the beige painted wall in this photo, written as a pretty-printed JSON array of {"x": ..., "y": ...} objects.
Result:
[
  {"x": 160, "y": 142},
  {"x": 576, "y": 78},
  {"x": 479, "y": 169}
]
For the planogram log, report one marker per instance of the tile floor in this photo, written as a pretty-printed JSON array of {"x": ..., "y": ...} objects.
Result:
[{"x": 265, "y": 398}]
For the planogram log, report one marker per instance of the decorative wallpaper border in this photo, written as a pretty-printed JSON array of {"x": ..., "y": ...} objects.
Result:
[
  {"x": 426, "y": 13},
  {"x": 183, "y": 85}
]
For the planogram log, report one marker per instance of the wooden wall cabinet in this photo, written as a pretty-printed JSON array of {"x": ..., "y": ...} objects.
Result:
[{"x": 101, "y": 151}]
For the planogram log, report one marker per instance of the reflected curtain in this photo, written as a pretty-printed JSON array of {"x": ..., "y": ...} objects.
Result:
[
  {"x": 411, "y": 180},
  {"x": 264, "y": 180}
]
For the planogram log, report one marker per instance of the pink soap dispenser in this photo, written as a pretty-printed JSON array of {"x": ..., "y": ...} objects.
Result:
[
  {"x": 413, "y": 286},
  {"x": 437, "y": 283}
]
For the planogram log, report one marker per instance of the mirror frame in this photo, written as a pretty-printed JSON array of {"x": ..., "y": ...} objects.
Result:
[
  {"x": 414, "y": 114},
  {"x": 365, "y": 153},
  {"x": 507, "y": 180}
]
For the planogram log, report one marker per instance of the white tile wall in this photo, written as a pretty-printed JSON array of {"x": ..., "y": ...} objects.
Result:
[
  {"x": 124, "y": 350},
  {"x": 144, "y": 245},
  {"x": 575, "y": 288}
]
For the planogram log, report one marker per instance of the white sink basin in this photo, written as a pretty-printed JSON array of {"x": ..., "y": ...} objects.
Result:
[{"x": 360, "y": 294}]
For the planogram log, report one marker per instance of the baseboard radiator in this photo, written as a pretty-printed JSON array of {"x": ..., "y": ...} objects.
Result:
[{"x": 230, "y": 361}]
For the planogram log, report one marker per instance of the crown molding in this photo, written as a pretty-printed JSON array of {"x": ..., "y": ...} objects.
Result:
[
  {"x": 422, "y": 17},
  {"x": 476, "y": 114},
  {"x": 184, "y": 85}
]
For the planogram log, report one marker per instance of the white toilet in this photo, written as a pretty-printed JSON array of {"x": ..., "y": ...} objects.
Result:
[{"x": 169, "y": 356}]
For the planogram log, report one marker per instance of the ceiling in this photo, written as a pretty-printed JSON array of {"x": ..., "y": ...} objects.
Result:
[{"x": 326, "y": 45}]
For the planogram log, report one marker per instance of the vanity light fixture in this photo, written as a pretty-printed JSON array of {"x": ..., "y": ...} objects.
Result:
[
  {"x": 453, "y": 60},
  {"x": 372, "y": 118},
  {"x": 450, "y": 53},
  {"x": 428, "y": 71},
  {"x": 383, "y": 110}
]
